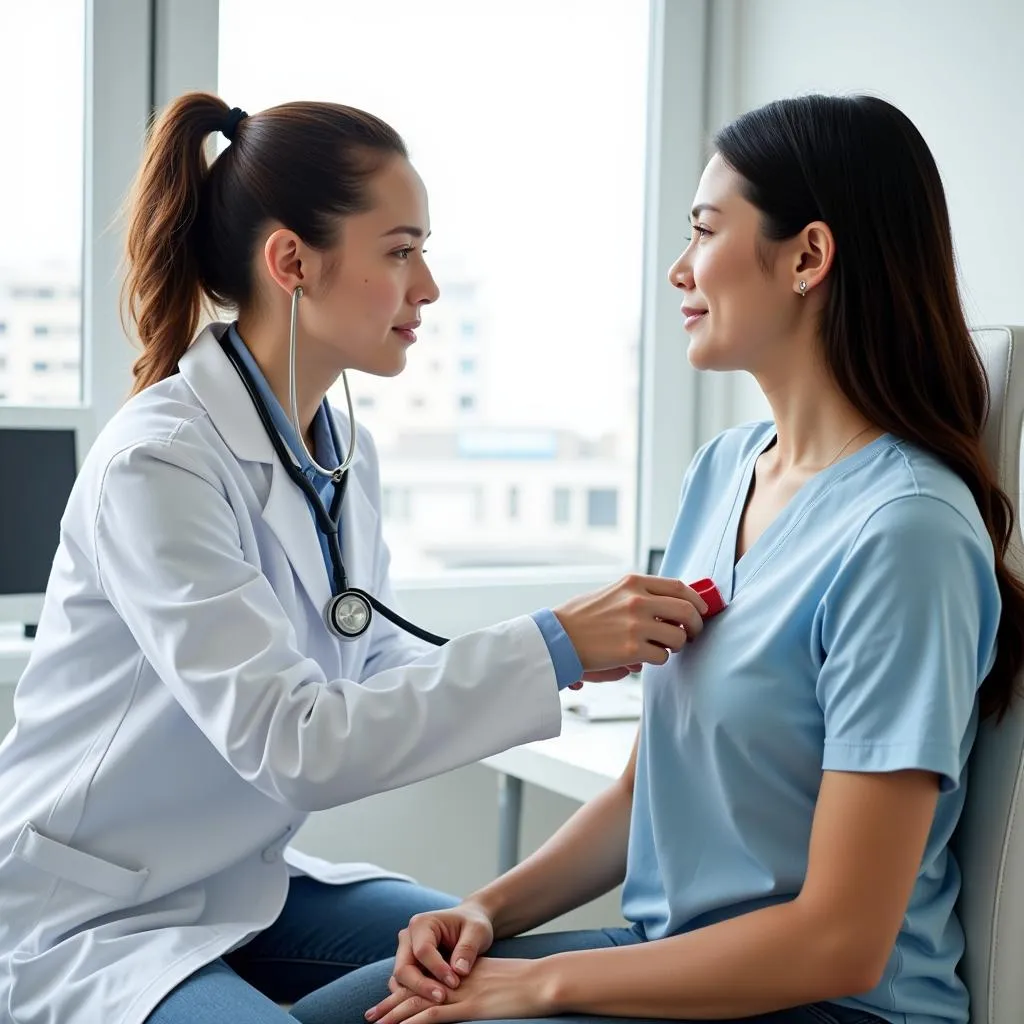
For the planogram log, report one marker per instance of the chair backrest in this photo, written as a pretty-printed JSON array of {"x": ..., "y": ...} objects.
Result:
[{"x": 990, "y": 839}]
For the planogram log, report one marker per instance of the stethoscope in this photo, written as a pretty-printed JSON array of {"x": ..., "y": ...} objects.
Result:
[{"x": 349, "y": 612}]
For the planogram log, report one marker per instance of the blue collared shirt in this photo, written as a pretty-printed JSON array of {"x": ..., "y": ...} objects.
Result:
[
  {"x": 566, "y": 662},
  {"x": 323, "y": 443}
]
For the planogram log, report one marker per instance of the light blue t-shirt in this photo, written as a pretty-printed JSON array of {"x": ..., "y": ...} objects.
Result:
[
  {"x": 564, "y": 658},
  {"x": 857, "y": 631}
]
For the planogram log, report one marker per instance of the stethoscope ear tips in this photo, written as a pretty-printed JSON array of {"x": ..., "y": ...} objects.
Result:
[{"x": 348, "y": 615}]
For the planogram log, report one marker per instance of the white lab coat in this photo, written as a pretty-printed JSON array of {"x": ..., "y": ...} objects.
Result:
[{"x": 185, "y": 706}]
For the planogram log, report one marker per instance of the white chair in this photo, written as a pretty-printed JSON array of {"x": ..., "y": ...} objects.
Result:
[{"x": 990, "y": 839}]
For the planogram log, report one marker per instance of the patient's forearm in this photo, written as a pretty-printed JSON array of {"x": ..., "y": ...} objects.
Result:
[{"x": 584, "y": 859}]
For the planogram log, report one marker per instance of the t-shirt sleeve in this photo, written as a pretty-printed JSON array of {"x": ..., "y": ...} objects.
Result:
[{"x": 908, "y": 630}]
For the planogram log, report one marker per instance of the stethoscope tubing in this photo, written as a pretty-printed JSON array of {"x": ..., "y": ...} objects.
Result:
[{"x": 327, "y": 522}]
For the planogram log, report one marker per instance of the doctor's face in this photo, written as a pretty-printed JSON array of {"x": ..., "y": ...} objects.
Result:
[
  {"x": 375, "y": 280},
  {"x": 736, "y": 313}
]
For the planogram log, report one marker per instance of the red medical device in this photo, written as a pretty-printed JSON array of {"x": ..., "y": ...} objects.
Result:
[{"x": 712, "y": 598}]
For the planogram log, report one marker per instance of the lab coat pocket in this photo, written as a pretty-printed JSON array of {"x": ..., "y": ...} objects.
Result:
[{"x": 83, "y": 869}]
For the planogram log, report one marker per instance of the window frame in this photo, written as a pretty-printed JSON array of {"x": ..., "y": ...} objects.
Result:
[
  {"x": 153, "y": 52},
  {"x": 118, "y": 104}
]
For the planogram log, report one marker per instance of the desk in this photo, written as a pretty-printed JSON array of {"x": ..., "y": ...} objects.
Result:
[{"x": 580, "y": 763}]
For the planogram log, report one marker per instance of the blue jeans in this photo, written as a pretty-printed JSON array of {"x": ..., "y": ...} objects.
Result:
[
  {"x": 323, "y": 933},
  {"x": 346, "y": 1000}
]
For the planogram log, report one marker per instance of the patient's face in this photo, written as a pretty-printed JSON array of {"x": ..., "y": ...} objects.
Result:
[{"x": 736, "y": 313}]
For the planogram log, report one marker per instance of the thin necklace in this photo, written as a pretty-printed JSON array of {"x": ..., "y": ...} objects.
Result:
[{"x": 832, "y": 461}]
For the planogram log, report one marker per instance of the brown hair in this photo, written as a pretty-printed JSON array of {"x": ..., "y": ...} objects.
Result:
[
  {"x": 193, "y": 226},
  {"x": 894, "y": 332}
]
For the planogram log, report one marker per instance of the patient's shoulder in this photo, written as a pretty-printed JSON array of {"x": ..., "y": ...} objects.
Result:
[{"x": 725, "y": 453}]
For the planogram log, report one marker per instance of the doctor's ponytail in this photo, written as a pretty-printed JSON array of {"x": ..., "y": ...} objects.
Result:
[
  {"x": 162, "y": 287},
  {"x": 194, "y": 226}
]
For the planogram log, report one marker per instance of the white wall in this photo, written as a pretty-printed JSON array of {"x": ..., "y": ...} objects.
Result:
[{"x": 953, "y": 66}]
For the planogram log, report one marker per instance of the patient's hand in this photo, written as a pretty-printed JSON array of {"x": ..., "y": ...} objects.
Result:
[
  {"x": 497, "y": 989},
  {"x": 420, "y": 964}
]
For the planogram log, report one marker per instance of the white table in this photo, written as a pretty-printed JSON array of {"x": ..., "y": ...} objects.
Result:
[{"x": 580, "y": 763}]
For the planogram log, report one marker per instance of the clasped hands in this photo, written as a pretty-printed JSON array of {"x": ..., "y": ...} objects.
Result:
[{"x": 428, "y": 988}]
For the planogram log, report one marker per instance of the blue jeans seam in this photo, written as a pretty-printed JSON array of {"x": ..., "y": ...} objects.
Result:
[
  {"x": 325, "y": 961},
  {"x": 818, "y": 1010}
]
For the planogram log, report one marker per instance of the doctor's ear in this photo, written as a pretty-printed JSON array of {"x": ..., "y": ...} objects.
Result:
[{"x": 289, "y": 261}]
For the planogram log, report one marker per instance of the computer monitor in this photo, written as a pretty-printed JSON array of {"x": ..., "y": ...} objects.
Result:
[
  {"x": 654, "y": 557},
  {"x": 41, "y": 451}
]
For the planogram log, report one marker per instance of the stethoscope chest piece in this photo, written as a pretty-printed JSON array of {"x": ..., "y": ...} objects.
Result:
[{"x": 348, "y": 615}]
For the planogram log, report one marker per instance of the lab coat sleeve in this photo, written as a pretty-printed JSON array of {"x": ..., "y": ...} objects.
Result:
[{"x": 169, "y": 557}]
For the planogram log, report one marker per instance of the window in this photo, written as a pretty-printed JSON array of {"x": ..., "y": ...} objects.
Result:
[
  {"x": 509, "y": 210},
  {"x": 395, "y": 503},
  {"x": 602, "y": 507},
  {"x": 41, "y": 197},
  {"x": 562, "y": 510}
]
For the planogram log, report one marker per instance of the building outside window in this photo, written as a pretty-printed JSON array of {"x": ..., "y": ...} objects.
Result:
[
  {"x": 41, "y": 202},
  {"x": 562, "y": 505},
  {"x": 516, "y": 403},
  {"x": 602, "y": 507}
]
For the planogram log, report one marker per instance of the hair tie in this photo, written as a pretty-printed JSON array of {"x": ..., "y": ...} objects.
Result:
[{"x": 234, "y": 115}]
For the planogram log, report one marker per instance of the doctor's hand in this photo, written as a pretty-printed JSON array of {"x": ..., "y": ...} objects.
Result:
[
  {"x": 465, "y": 930},
  {"x": 606, "y": 675},
  {"x": 637, "y": 619}
]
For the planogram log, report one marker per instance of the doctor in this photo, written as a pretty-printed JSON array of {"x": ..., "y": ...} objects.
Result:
[{"x": 187, "y": 702}]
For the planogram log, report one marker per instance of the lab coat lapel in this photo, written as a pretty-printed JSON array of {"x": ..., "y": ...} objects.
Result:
[
  {"x": 286, "y": 512},
  {"x": 288, "y": 515},
  {"x": 209, "y": 373}
]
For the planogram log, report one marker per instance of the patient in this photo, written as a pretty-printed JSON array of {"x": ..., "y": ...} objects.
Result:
[{"x": 783, "y": 825}]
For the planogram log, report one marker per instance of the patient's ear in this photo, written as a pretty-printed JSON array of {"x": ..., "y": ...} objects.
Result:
[{"x": 810, "y": 257}]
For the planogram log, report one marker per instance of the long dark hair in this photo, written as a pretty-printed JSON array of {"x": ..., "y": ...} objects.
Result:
[
  {"x": 193, "y": 227},
  {"x": 893, "y": 328}
]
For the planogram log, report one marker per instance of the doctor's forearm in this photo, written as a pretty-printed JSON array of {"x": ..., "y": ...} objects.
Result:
[{"x": 584, "y": 859}]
